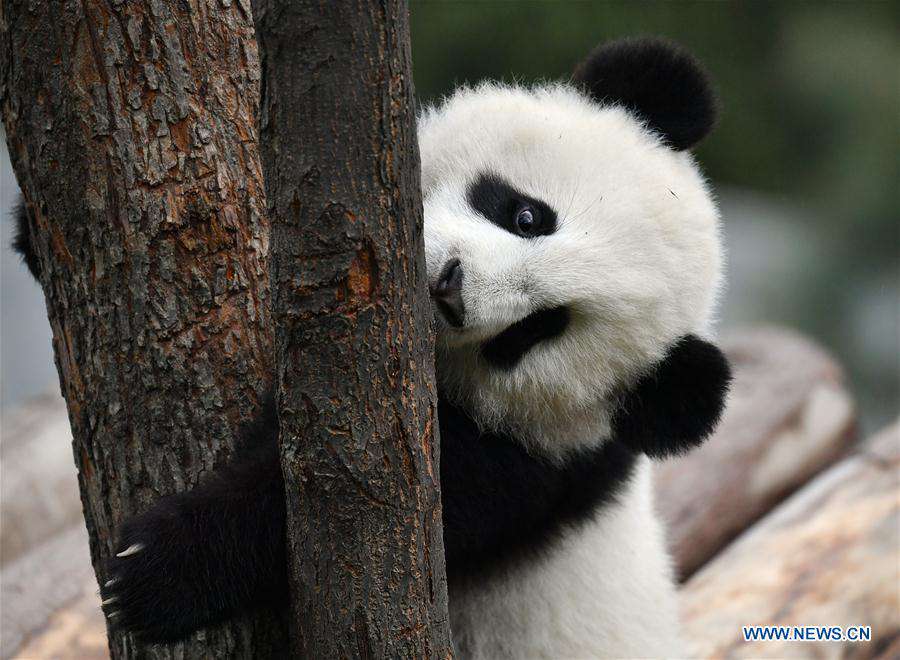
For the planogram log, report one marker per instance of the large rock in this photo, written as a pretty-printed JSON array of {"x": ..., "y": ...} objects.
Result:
[
  {"x": 788, "y": 417},
  {"x": 828, "y": 556}
]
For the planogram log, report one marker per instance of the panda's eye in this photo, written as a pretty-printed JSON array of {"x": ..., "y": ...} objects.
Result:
[{"x": 526, "y": 221}]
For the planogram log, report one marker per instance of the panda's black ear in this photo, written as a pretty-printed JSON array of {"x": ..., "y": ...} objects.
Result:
[{"x": 656, "y": 79}]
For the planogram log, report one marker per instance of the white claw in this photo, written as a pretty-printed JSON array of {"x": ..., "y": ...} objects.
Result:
[
  {"x": 113, "y": 615},
  {"x": 132, "y": 549},
  {"x": 111, "y": 599},
  {"x": 111, "y": 582}
]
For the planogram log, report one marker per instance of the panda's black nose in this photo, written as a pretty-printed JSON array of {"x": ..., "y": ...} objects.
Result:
[{"x": 447, "y": 293}]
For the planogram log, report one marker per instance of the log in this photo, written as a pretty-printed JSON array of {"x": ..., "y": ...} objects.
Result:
[
  {"x": 827, "y": 556},
  {"x": 75, "y": 632},
  {"x": 788, "y": 417},
  {"x": 45, "y": 582}
]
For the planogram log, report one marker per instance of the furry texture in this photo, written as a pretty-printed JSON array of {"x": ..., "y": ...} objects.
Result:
[
  {"x": 635, "y": 260},
  {"x": 676, "y": 406},
  {"x": 21, "y": 243},
  {"x": 197, "y": 558},
  {"x": 658, "y": 81},
  {"x": 506, "y": 349},
  {"x": 605, "y": 591},
  {"x": 635, "y": 266},
  {"x": 502, "y": 505},
  {"x": 562, "y": 353},
  {"x": 498, "y": 201}
]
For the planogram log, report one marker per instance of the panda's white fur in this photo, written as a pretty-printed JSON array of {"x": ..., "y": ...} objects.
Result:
[
  {"x": 605, "y": 591},
  {"x": 637, "y": 258}
]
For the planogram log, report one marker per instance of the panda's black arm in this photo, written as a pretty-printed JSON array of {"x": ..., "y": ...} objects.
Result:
[
  {"x": 504, "y": 504},
  {"x": 21, "y": 243},
  {"x": 677, "y": 405},
  {"x": 197, "y": 558}
]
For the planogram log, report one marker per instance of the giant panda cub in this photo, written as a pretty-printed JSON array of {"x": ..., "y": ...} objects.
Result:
[{"x": 573, "y": 258}]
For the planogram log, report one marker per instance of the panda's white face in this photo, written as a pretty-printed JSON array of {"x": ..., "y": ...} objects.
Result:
[{"x": 575, "y": 246}]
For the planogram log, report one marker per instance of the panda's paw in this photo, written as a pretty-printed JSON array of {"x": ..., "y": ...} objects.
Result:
[{"x": 150, "y": 586}]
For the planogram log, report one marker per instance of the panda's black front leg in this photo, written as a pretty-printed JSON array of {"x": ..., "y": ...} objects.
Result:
[
  {"x": 677, "y": 405},
  {"x": 197, "y": 558}
]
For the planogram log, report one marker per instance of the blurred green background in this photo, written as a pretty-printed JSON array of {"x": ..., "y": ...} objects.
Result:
[{"x": 804, "y": 158}]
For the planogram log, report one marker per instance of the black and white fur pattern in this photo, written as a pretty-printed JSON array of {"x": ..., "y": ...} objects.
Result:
[{"x": 574, "y": 259}]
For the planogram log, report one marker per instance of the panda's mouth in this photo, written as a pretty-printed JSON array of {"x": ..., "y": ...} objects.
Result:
[{"x": 505, "y": 350}]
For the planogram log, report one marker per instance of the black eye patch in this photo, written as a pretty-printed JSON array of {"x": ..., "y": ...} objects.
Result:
[{"x": 509, "y": 209}]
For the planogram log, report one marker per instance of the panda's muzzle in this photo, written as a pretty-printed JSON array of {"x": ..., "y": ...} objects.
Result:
[{"x": 447, "y": 293}]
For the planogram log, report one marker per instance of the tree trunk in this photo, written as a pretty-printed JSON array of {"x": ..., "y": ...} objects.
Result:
[
  {"x": 131, "y": 127},
  {"x": 354, "y": 348}
]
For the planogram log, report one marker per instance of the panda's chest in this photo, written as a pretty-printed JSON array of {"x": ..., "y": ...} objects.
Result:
[
  {"x": 603, "y": 589},
  {"x": 502, "y": 504}
]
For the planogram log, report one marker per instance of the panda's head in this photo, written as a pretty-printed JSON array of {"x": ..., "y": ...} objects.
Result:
[{"x": 570, "y": 237}]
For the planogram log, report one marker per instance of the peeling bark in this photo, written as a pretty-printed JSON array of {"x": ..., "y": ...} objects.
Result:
[
  {"x": 131, "y": 127},
  {"x": 354, "y": 348}
]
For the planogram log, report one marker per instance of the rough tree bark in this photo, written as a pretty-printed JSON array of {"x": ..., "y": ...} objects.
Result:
[
  {"x": 131, "y": 127},
  {"x": 354, "y": 349}
]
